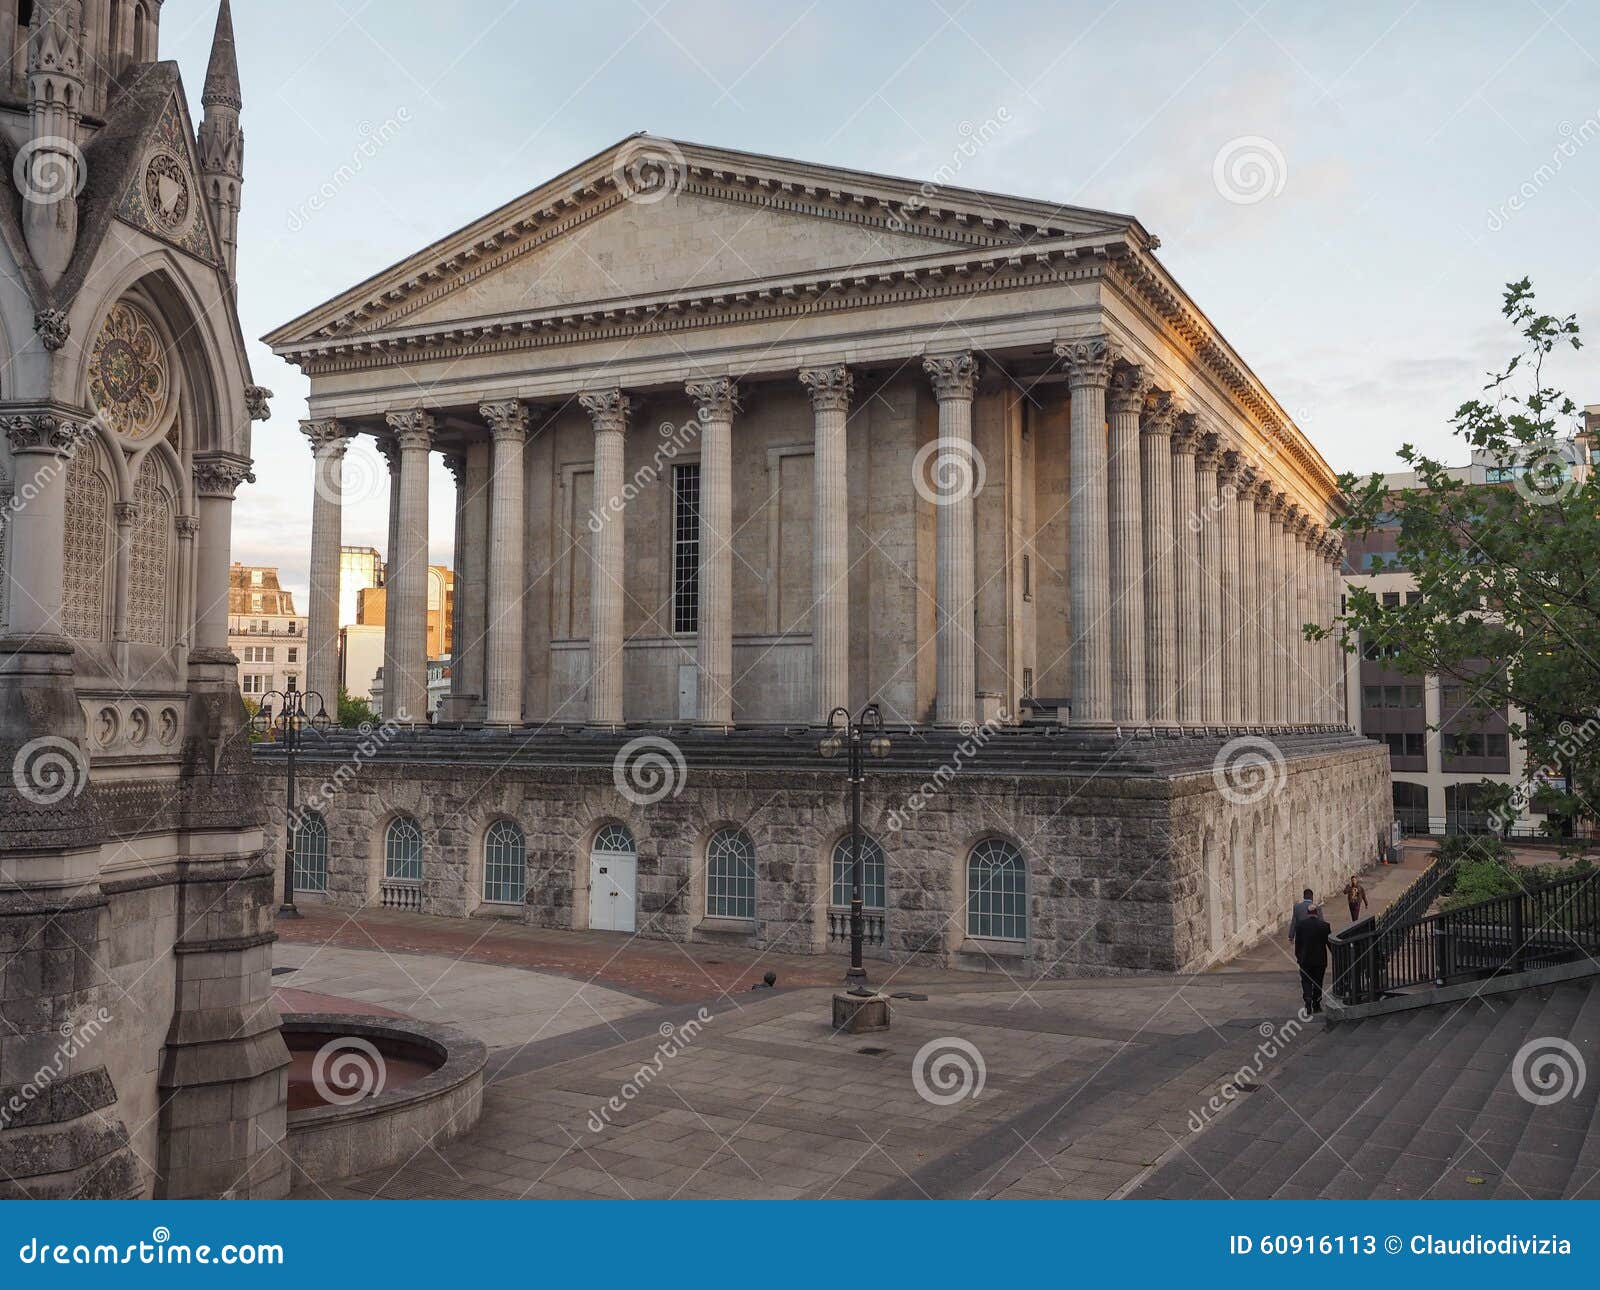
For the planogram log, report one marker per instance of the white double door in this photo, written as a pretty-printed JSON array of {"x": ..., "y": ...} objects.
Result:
[{"x": 613, "y": 888}]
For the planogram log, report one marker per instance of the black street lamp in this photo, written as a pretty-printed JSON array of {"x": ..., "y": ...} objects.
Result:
[
  {"x": 296, "y": 712},
  {"x": 862, "y": 736}
]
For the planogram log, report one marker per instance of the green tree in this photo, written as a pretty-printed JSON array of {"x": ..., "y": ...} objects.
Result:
[
  {"x": 1509, "y": 571},
  {"x": 354, "y": 712}
]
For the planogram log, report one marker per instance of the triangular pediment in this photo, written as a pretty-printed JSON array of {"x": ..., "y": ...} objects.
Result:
[
  {"x": 688, "y": 217},
  {"x": 163, "y": 196}
]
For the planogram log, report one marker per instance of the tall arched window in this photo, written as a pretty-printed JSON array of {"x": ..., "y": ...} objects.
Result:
[
  {"x": 402, "y": 850},
  {"x": 997, "y": 891},
  {"x": 311, "y": 853},
  {"x": 872, "y": 872},
  {"x": 731, "y": 875},
  {"x": 505, "y": 864}
]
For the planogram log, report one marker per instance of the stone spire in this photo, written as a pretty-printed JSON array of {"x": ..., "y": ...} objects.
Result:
[
  {"x": 52, "y": 176},
  {"x": 221, "y": 140}
]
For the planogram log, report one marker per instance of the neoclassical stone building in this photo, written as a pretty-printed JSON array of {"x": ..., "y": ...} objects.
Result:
[
  {"x": 738, "y": 441},
  {"x": 139, "y": 1053}
]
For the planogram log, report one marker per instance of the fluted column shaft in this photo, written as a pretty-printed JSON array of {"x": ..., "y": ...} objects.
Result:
[
  {"x": 503, "y": 663},
  {"x": 609, "y": 412},
  {"x": 1232, "y": 599},
  {"x": 830, "y": 389},
  {"x": 1266, "y": 609},
  {"x": 1124, "y": 401},
  {"x": 390, "y": 451},
  {"x": 408, "y": 581},
  {"x": 1207, "y": 530},
  {"x": 956, "y": 663},
  {"x": 717, "y": 401},
  {"x": 1249, "y": 602},
  {"x": 329, "y": 442},
  {"x": 1088, "y": 363},
  {"x": 1282, "y": 593},
  {"x": 1162, "y": 678},
  {"x": 469, "y": 666},
  {"x": 1335, "y": 670}
]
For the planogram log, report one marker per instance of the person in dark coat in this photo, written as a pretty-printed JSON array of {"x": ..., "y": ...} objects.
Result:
[
  {"x": 1311, "y": 952},
  {"x": 1299, "y": 911}
]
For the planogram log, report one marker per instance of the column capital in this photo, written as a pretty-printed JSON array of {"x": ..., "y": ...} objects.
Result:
[
  {"x": 1088, "y": 360},
  {"x": 44, "y": 431},
  {"x": 389, "y": 450},
  {"x": 1160, "y": 413},
  {"x": 1262, "y": 491},
  {"x": 1186, "y": 434},
  {"x": 954, "y": 376},
  {"x": 1292, "y": 516},
  {"x": 608, "y": 409},
  {"x": 188, "y": 527},
  {"x": 218, "y": 474},
  {"x": 1209, "y": 451},
  {"x": 1129, "y": 384},
  {"x": 413, "y": 428},
  {"x": 1234, "y": 471},
  {"x": 507, "y": 418},
  {"x": 715, "y": 397},
  {"x": 830, "y": 387},
  {"x": 127, "y": 513},
  {"x": 326, "y": 436},
  {"x": 456, "y": 464},
  {"x": 1278, "y": 503}
]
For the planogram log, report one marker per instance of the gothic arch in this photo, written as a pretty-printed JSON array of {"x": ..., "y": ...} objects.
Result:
[
  {"x": 90, "y": 558},
  {"x": 152, "y": 617}
]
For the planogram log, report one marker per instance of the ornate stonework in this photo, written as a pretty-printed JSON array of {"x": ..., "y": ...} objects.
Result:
[
  {"x": 328, "y": 437},
  {"x": 53, "y": 328},
  {"x": 256, "y": 402},
  {"x": 42, "y": 432},
  {"x": 1130, "y": 382},
  {"x": 413, "y": 428},
  {"x": 608, "y": 409},
  {"x": 830, "y": 387},
  {"x": 507, "y": 418},
  {"x": 129, "y": 380},
  {"x": 718, "y": 397},
  {"x": 216, "y": 475},
  {"x": 1186, "y": 433},
  {"x": 1160, "y": 413},
  {"x": 954, "y": 376},
  {"x": 164, "y": 196},
  {"x": 149, "y": 566},
  {"x": 1088, "y": 361}
]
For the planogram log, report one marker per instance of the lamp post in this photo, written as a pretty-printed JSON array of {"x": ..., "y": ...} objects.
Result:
[
  {"x": 860, "y": 737},
  {"x": 297, "y": 711}
]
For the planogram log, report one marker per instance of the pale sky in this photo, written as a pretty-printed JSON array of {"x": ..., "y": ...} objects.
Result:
[{"x": 1418, "y": 157}]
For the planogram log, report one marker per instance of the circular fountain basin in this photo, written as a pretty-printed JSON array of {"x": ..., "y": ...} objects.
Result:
[{"x": 367, "y": 1092}]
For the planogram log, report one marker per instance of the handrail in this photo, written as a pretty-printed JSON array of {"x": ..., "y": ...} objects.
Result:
[{"x": 1520, "y": 931}]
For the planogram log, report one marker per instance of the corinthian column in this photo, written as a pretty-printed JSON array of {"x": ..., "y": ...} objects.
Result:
[
  {"x": 1337, "y": 710},
  {"x": 830, "y": 389},
  {"x": 217, "y": 476},
  {"x": 1186, "y": 583},
  {"x": 1249, "y": 594},
  {"x": 954, "y": 380},
  {"x": 329, "y": 441},
  {"x": 1124, "y": 400},
  {"x": 1210, "y": 529},
  {"x": 717, "y": 400},
  {"x": 1160, "y": 602},
  {"x": 408, "y": 580},
  {"x": 1088, "y": 364},
  {"x": 1266, "y": 609},
  {"x": 389, "y": 448},
  {"x": 1282, "y": 591},
  {"x": 1229, "y": 481},
  {"x": 609, "y": 412},
  {"x": 1294, "y": 595},
  {"x": 503, "y": 664}
]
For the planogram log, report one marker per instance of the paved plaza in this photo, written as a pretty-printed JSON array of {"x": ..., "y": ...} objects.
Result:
[{"x": 983, "y": 1087}]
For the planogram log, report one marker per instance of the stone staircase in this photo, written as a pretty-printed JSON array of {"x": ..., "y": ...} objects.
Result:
[
  {"x": 1411, "y": 1104},
  {"x": 1033, "y": 750}
]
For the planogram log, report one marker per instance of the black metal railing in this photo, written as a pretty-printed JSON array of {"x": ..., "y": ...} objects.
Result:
[{"x": 1540, "y": 927}]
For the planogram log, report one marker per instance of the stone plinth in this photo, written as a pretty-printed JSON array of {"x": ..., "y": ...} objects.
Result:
[{"x": 860, "y": 1014}]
